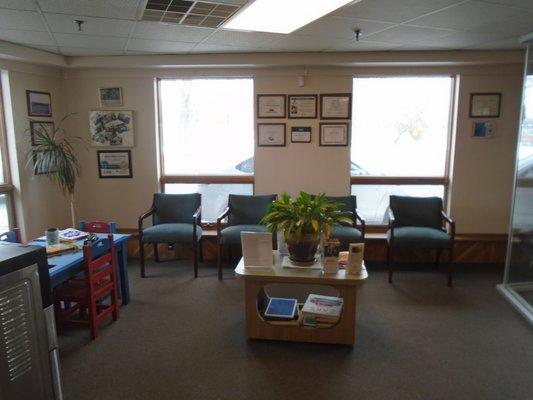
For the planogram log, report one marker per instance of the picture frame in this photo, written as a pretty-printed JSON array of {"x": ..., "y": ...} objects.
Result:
[
  {"x": 336, "y": 106},
  {"x": 271, "y": 135},
  {"x": 110, "y": 97},
  {"x": 334, "y": 134},
  {"x": 111, "y": 128},
  {"x": 303, "y": 106},
  {"x": 483, "y": 129},
  {"x": 39, "y": 103},
  {"x": 301, "y": 134},
  {"x": 485, "y": 105},
  {"x": 114, "y": 164},
  {"x": 271, "y": 106},
  {"x": 35, "y": 156},
  {"x": 48, "y": 126}
]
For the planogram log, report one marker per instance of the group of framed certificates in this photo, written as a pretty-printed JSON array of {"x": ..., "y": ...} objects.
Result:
[{"x": 333, "y": 106}]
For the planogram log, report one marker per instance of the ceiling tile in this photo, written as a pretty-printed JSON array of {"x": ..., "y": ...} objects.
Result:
[
  {"x": 80, "y": 51},
  {"x": 90, "y": 42},
  {"x": 62, "y": 23},
  {"x": 236, "y": 2},
  {"x": 407, "y": 34},
  {"x": 22, "y": 20},
  {"x": 458, "y": 40},
  {"x": 121, "y": 9},
  {"x": 26, "y": 37},
  {"x": 393, "y": 10},
  {"x": 170, "y": 32},
  {"x": 512, "y": 43},
  {"x": 342, "y": 27},
  {"x": 159, "y": 46},
  {"x": 247, "y": 39},
  {"x": 515, "y": 3},
  {"x": 50, "y": 49},
  {"x": 363, "y": 45},
  {"x": 18, "y": 4},
  {"x": 305, "y": 43}
]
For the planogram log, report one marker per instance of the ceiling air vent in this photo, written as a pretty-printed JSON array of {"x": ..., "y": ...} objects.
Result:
[{"x": 184, "y": 12}]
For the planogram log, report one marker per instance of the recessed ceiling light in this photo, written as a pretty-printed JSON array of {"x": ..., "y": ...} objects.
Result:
[{"x": 281, "y": 16}]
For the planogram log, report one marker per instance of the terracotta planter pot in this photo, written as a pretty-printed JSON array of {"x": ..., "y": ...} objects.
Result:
[{"x": 303, "y": 251}]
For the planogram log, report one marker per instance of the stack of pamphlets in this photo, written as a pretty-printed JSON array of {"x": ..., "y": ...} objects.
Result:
[
  {"x": 282, "y": 311},
  {"x": 321, "y": 311},
  {"x": 71, "y": 235}
]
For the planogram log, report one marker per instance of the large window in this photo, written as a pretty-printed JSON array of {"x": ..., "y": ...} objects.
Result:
[
  {"x": 400, "y": 137},
  {"x": 207, "y": 142}
]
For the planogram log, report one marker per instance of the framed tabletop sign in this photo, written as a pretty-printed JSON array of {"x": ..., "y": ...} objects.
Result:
[
  {"x": 486, "y": 105},
  {"x": 336, "y": 106},
  {"x": 302, "y": 106},
  {"x": 114, "y": 163},
  {"x": 271, "y": 106},
  {"x": 271, "y": 135},
  {"x": 39, "y": 103},
  {"x": 334, "y": 134},
  {"x": 301, "y": 134}
]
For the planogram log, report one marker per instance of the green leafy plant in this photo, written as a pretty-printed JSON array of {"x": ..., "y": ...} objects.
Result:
[{"x": 306, "y": 215}]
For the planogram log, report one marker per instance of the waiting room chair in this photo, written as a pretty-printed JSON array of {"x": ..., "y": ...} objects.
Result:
[
  {"x": 12, "y": 236},
  {"x": 89, "y": 294},
  {"x": 419, "y": 222},
  {"x": 176, "y": 218},
  {"x": 244, "y": 213},
  {"x": 348, "y": 234},
  {"x": 98, "y": 227}
]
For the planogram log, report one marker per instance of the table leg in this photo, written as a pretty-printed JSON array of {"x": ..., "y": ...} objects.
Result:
[{"x": 123, "y": 273}]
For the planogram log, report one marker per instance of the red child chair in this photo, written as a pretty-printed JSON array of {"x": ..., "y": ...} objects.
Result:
[
  {"x": 98, "y": 227},
  {"x": 88, "y": 294}
]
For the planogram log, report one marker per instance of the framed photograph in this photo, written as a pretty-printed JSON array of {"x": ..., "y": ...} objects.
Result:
[
  {"x": 111, "y": 128},
  {"x": 334, "y": 134},
  {"x": 301, "y": 134},
  {"x": 302, "y": 106},
  {"x": 40, "y": 170},
  {"x": 40, "y": 126},
  {"x": 271, "y": 135},
  {"x": 39, "y": 103},
  {"x": 486, "y": 105},
  {"x": 110, "y": 97},
  {"x": 114, "y": 164},
  {"x": 336, "y": 106},
  {"x": 271, "y": 106},
  {"x": 484, "y": 129}
]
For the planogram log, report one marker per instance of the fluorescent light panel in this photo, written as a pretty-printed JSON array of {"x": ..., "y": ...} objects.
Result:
[{"x": 281, "y": 16}]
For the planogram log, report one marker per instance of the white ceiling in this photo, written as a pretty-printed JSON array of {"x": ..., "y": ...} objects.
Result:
[{"x": 112, "y": 27}]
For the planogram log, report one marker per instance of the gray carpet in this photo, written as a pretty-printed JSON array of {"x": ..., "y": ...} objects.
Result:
[{"x": 183, "y": 338}]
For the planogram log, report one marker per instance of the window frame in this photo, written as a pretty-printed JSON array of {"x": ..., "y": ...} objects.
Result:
[{"x": 6, "y": 186}]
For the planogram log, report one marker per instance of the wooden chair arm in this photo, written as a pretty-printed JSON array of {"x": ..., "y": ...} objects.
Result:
[
  {"x": 197, "y": 216},
  {"x": 451, "y": 222},
  {"x": 362, "y": 220},
  {"x": 224, "y": 214},
  {"x": 143, "y": 216},
  {"x": 392, "y": 220}
]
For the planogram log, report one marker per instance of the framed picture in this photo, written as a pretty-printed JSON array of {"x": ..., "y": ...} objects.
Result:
[
  {"x": 114, "y": 164},
  {"x": 111, "y": 128},
  {"x": 40, "y": 169},
  {"x": 334, "y": 134},
  {"x": 39, "y": 103},
  {"x": 484, "y": 129},
  {"x": 336, "y": 106},
  {"x": 301, "y": 134},
  {"x": 302, "y": 106},
  {"x": 40, "y": 126},
  {"x": 110, "y": 97},
  {"x": 271, "y": 135},
  {"x": 271, "y": 106},
  {"x": 486, "y": 105}
]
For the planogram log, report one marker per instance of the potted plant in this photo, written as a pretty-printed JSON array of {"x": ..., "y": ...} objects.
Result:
[
  {"x": 53, "y": 155},
  {"x": 302, "y": 222}
]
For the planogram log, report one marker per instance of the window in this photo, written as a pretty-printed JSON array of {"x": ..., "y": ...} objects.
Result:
[
  {"x": 400, "y": 137},
  {"x": 207, "y": 140},
  {"x": 7, "y": 220}
]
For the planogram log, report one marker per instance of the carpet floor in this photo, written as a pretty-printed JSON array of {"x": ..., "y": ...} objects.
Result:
[{"x": 183, "y": 338}]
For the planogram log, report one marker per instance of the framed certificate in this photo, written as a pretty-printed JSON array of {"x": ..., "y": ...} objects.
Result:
[
  {"x": 301, "y": 134},
  {"x": 336, "y": 106},
  {"x": 486, "y": 105},
  {"x": 271, "y": 135},
  {"x": 302, "y": 106},
  {"x": 114, "y": 163},
  {"x": 271, "y": 106},
  {"x": 334, "y": 134}
]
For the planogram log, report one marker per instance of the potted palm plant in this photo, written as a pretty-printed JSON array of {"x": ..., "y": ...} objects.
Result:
[
  {"x": 53, "y": 155},
  {"x": 303, "y": 221}
]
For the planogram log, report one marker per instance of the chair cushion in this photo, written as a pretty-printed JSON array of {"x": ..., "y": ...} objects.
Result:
[
  {"x": 170, "y": 233},
  {"x": 248, "y": 210},
  {"x": 232, "y": 234},
  {"x": 175, "y": 208},
  {"x": 346, "y": 234},
  {"x": 420, "y": 237},
  {"x": 417, "y": 211},
  {"x": 349, "y": 203}
]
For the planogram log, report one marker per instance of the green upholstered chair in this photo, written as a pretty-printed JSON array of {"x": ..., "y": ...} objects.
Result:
[
  {"x": 353, "y": 233},
  {"x": 419, "y": 222},
  {"x": 244, "y": 214},
  {"x": 176, "y": 218}
]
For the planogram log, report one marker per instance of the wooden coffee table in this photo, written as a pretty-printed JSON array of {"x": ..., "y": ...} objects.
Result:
[{"x": 254, "y": 294}]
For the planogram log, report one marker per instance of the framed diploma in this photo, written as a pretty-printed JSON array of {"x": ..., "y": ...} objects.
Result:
[
  {"x": 271, "y": 106},
  {"x": 336, "y": 106},
  {"x": 301, "y": 134},
  {"x": 114, "y": 163},
  {"x": 271, "y": 135},
  {"x": 302, "y": 106},
  {"x": 486, "y": 105},
  {"x": 334, "y": 134}
]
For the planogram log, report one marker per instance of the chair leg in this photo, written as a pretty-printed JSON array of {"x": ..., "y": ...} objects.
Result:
[
  {"x": 390, "y": 261},
  {"x": 437, "y": 259},
  {"x": 230, "y": 255},
  {"x": 156, "y": 252},
  {"x": 219, "y": 261},
  {"x": 93, "y": 323},
  {"x": 201, "y": 249},
  {"x": 59, "y": 320},
  {"x": 141, "y": 256},
  {"x": 450, "y": 267},
  {"x": 195, "y": 257}
]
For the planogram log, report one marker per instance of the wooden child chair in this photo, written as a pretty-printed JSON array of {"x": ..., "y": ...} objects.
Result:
[{"x": 98, "y": 227}]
